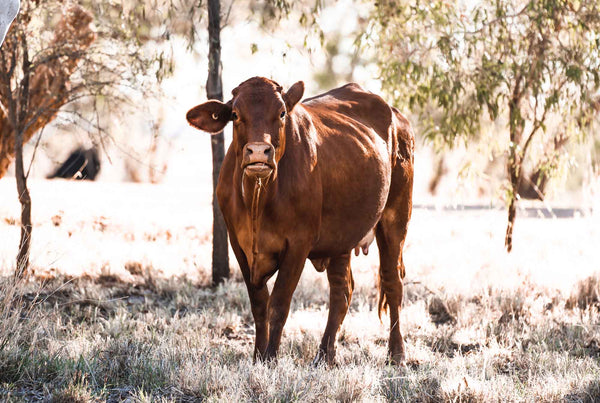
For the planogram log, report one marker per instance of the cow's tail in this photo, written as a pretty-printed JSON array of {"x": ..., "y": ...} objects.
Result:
[
  {"x": 403, "y": 139},
  {"x": 382, "y": 304},
  {"x": 392, "y": 228}
]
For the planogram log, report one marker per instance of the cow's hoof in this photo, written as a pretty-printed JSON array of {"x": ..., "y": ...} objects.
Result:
[
  {"x": 270, "y": 357},
  {"x": 324, "y": 357},
  {"x": 319, "y": 358},
  {"x": 265, "y": 358},
  {"x": 397, "y": 360}
]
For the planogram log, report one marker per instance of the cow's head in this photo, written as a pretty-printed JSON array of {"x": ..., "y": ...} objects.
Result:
[{"x": 259, "y": 111}]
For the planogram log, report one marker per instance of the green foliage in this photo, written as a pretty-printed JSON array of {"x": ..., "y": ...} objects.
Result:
[
  {"x": 457, "y": 64},
  {"x": 531, "y": 66},
  {"x": 270, "y": 13},
  {"x": 133, "y": 25},
  {"x": 275, "y": 10}
]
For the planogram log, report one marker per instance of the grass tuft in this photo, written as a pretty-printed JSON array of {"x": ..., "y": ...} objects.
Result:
[
  {"x": 439, "y": 311},
  {"x": 586, "y": 294}
]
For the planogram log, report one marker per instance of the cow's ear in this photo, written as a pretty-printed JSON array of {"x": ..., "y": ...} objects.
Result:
[
  {"x": 211, "y": 116},
  {"x": 293, "y": 95}
]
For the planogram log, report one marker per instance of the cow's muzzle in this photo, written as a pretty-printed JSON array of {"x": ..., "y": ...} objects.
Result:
[{"x": 259, "y": 160}]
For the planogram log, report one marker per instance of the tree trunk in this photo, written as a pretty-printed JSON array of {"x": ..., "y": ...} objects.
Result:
[
  {"x": 25, "y": 200},
  {"x": 512, "y": 214},
  {"x": 513, "y": 167},
  {"x": 214, "y": 90},
  {"x": 36, "y": 100},
  {"x": 514, "y": 164},
  {"x": 515, "y": 157}
]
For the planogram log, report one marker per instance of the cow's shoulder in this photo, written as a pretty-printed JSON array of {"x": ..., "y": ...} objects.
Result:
[
  {"x": 350, "y": 92},
  {"x": 351, "y": 101}
]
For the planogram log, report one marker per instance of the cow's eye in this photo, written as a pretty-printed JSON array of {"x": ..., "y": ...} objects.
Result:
[
  {"x": 282, "y": 114},
  {"x": 234, "y": 116}
]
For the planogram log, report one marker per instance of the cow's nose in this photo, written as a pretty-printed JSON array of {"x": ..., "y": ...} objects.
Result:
[{"x": 258, "y": 151}]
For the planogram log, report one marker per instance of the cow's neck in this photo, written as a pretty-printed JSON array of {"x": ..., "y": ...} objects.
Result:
[
  {"x": 255, "y": 193},
  {"x": 255, "y": 190},
  {"x": 254, "y": 221}
]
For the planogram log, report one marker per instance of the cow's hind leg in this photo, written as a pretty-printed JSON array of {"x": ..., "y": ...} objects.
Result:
[
  {"x": 390, "y": 287},
  {"x": 341, "y": 285},
  {"x": 391, "y": 234}
]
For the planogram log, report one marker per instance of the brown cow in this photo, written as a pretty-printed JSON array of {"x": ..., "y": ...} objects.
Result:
[{"x": 311, "y": 180}]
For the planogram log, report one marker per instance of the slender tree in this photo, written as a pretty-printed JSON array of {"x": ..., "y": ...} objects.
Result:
[
  {"x": 32, "y": 90},
  {"x": 531, "y": 66},
  {"x": 46, "y": 64},
  {"x": 214, "y": 90}
]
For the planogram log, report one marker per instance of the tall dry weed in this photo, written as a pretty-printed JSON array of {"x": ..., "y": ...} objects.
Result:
[
  {"x": 19, "y": 326},
  {"x": 586, "y": 293}
]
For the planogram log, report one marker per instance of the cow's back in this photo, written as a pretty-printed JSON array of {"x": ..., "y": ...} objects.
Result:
[
  {"x": 354, "y": 131},
  {"x": 352, "y": 102}
]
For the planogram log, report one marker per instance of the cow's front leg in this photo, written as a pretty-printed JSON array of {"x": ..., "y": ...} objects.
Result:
[
  {"x": 259, "y": 301},
  {"x": 281, "y": 297}
]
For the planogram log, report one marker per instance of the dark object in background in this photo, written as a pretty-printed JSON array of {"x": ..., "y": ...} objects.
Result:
[
  {"x": 81, "y": 164},
  {"x": 533, "y": 187}
]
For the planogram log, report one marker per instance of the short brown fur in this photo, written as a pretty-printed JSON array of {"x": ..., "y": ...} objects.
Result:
[{"x": 308, "y": 181}]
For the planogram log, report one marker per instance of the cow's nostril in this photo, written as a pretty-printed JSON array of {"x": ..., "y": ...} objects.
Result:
[{"x": 258, "y": 151}]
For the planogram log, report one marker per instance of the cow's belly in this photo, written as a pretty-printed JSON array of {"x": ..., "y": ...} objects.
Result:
[{"x": 354, "y": 196}]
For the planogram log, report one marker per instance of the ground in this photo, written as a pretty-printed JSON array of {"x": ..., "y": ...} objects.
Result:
[{"x": 119, "y": 308}]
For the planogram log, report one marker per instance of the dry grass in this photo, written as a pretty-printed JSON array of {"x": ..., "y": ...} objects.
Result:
[
  {"x": 85, "y": 339},
  {"x": 479, "y": 325}
]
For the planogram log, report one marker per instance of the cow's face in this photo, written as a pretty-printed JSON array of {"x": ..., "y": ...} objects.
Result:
[{"x": 259, "y": 111}]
